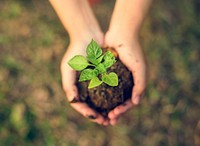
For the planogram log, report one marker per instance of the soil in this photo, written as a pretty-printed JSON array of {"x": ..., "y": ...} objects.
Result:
[{"x": 104, "y": 97}]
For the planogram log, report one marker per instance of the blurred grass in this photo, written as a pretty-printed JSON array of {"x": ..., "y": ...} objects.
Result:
[{"x": 33, "y": 108}]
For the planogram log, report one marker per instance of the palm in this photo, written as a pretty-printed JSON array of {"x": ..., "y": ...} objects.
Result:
[
  {"x": 69, "y": 84},
  {"x": 132, "y": 56}
]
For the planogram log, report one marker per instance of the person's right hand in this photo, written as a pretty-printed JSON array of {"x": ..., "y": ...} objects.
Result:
[{"x": 78, "y": 47}]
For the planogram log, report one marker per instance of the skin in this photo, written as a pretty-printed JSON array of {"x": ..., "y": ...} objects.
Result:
[
  {"x": 82, "y": 26},
  {"x": 126, "y": 21}
]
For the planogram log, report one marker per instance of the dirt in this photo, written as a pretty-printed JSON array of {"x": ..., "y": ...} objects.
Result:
[{"x": 104, "y": 97}]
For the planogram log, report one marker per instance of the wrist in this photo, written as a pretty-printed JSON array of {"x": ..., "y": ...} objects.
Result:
[
  {"x": 128, "y": 17},
  {"x": 125, "y": 32},
  {"x": 85, "y": 37},
  {"x": 116, "y": 38}
]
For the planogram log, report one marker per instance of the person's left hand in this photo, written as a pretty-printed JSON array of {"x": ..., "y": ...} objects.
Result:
[{"x": 131, "y": 54}]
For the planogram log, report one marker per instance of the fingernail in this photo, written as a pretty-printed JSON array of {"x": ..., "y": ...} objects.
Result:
[
  {"x": 91, "y": 117},
  {"x": 74, "y": 100},
  {"x": 136, "y": 100}
]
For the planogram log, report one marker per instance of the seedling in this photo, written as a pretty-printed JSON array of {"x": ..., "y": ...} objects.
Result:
[{"x": 94, "y": 66}]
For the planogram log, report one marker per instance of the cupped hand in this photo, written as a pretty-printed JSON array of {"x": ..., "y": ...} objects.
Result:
[
  {"x": 131, "y": 54},
  {"x": 78, "y": 47}
]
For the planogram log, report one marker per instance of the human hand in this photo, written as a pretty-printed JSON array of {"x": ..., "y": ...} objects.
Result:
[
  {"x": 78, "y": 47},
  {"x": 131, "y": 54}
]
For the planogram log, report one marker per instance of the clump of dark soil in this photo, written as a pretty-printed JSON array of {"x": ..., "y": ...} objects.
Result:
[{"x": 104, "y": 97}]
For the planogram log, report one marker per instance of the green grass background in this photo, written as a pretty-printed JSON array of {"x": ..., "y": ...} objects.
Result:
[{"x": 33, "y": 107}]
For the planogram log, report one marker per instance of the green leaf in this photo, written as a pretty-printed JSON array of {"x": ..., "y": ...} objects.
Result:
[
  {"x": 88, "y": 74},
  {"x": 78, "y": 62},
  {"x": 94, "y": 82},
  {"x": 109, "y": 59},
  {"x": 101, "y": 68},
  {"x": 95, "y": 72},
  {"x": 93, "y": 50},
  {"x": 110, "y": 79},
  {"x": 109, "y": 55},
  {"x": 100, "y": 59},
  {"x": 93, "y": 60},
  {"x": 108, "y": 63}
]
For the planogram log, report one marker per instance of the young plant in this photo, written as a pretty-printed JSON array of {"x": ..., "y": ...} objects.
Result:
[{"x": 94, "y": 66}]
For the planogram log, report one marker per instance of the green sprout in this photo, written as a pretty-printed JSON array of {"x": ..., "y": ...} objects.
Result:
[{"x": 94, "y": 66}]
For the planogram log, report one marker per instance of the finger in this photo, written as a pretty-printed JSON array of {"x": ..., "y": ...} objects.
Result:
[
  {"x": 72, "y": 96},
  {"x": 87, "y": 112},
  {"x": 71, "y": 93},
  {"x": 139, "y": 73},
  {"x": 119, "y": 110},
  {"x": 81, "y": 107},
  {"x": 106, "y": 122},
  {"x": 140, "y": 80},
  {"x": 113, "y": 121},
  {"x": 111, "y": 115},
  {"x": 98, "y": 119}
]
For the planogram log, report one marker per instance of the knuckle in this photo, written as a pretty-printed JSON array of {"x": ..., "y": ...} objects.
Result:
[{"x": 119, "y": 110}]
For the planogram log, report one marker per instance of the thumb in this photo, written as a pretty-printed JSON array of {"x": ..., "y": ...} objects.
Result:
[
  {"x": 138, "y": 88},
  {"x": 140, "y": 74},
  {"x": 136, "y": 95}
]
